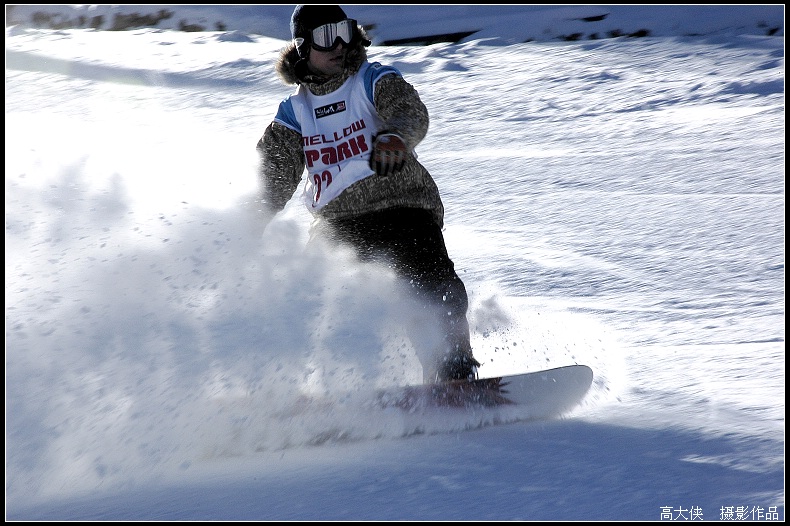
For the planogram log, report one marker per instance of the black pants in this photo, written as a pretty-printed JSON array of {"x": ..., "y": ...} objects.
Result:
[{"x": 412, "y": 244}]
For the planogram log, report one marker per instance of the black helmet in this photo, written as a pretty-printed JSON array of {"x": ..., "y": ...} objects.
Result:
[{"x": 305, "y": 18}]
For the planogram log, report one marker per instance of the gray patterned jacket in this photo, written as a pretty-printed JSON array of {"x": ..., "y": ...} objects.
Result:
[{"x": 400, "y": 108}]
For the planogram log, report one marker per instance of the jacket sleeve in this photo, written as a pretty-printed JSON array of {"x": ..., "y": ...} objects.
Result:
[
  {"x": 281, "y": 165},
  {"x": 400, "y": 107}
]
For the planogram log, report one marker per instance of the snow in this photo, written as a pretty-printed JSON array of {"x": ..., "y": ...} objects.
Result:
[{"x": 614, "y": 202}]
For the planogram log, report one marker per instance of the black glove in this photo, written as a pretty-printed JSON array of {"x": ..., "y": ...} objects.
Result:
[{"x": 389, "y": 154}]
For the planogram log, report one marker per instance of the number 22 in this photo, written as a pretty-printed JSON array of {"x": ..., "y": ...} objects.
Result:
[{"x": 318, "y": 179}]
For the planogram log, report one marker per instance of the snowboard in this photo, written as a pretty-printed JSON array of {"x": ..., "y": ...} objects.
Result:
[{"x": 548, "y": 392}]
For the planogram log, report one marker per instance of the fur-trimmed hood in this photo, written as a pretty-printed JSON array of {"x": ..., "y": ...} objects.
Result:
[{"x": 293, "y": 70}]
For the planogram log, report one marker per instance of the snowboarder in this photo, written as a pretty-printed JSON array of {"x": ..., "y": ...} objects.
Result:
[{"x": 354, "y": 125}]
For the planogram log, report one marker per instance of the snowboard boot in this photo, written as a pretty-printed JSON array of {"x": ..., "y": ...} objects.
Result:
[{"x": 460, "y": 365}]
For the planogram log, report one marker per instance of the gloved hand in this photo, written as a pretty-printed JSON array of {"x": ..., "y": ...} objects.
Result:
[{"x": 389, "y": 154}]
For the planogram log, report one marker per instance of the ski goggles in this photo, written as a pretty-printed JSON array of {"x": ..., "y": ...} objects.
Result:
[{"x": 325, "y": 37}]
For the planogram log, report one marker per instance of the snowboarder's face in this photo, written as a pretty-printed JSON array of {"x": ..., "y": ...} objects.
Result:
[{"x": 327, "y": 62}]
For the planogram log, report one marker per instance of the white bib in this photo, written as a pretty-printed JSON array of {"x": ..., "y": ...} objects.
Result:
[{"x": 337, "y": 133}]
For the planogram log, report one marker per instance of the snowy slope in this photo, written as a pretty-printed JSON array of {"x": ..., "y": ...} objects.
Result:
[{"x": 613, "y": 202}]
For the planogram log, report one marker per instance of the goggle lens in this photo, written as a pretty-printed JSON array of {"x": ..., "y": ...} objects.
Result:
[{"x": 325, "y": 36}]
